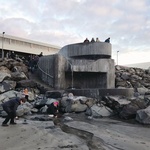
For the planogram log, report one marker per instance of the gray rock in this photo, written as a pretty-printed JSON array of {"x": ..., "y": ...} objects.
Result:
[
  {"x": 102, "y": 111},
  {"x": 78, "y": 107},
  {"x": 4, "y": 75},
  {"x": 143, "y": 116},
  {"x": 18, "y": 76},
  {"x": 129, "y": 111},
  {"x": 26, "y": 83},
  {"x": 65, "y": 105},
  {"x": 24, "y": 109},
  {"x": 44, "y": 109},
  {"x": 142, "y": 91}
]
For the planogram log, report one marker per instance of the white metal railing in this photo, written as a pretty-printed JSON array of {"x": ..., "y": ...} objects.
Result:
[{"x": 45, "y": 76}]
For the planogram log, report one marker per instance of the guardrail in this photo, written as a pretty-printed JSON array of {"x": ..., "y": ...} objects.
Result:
[{"x": 46, "y": 69}]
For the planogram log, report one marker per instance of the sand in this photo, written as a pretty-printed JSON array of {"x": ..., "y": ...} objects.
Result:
[
  {"x": 34, "y": 136},
  {"x": 108, "y": 134}
]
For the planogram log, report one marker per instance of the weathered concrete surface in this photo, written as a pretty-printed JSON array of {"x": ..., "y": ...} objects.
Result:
[
  {"x": 80, "y": 65},
  {"x": 96, "y": 93},
  {"x": 101, "y": 73},
  {"x": 46, "y": 68},
  {"x": 101, "y": 49},
  {"x": 115, "y": 134},
  {"x": 80, "y": 134}
]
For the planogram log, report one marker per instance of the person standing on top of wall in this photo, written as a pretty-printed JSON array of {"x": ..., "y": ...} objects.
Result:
[
  {"x": 107, "y": 40},
  {"x": 13, "y": 55},
  {"x": 41, "y": 54},
  {"x": 97, "y": 40},
  {"x": 92, "y": 40},
  {"x": 86, "y": 40}
]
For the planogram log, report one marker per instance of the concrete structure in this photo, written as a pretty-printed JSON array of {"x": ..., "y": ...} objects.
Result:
[
  {"x": 80, "y": 66},
  {"x": 21, "y": 45}
]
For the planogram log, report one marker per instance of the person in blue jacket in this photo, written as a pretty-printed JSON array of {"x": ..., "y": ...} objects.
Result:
[{"x": 10, "y": 108}]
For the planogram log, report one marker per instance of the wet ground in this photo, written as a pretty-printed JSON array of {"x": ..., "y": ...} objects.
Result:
[
  {"x": 112, "y": 133},
  {"x": 79, "y": 134},
  {"x": 105, "y": 133},
  {"x": 98, "y": 133}
]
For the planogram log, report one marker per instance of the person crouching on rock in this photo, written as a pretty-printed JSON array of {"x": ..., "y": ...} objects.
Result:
[
  {"x": 10, "y": 108},
  {"x": 53, "y": 109}
]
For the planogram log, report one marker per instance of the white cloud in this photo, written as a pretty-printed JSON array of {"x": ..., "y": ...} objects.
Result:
[{"x": 62, "y": 22}]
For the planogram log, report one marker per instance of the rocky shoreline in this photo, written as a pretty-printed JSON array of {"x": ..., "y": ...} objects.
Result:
[
  {"x": 111, "y": 122},
  {"x": 78, "y": 134}
]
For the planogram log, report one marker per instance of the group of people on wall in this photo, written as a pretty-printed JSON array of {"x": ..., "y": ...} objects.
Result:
[
  {"x": 97, "y": 40},
  {"x": 30, "y": 60},
  {"x": 33, "y": 61},
  {"x": 11, "y": 54}
]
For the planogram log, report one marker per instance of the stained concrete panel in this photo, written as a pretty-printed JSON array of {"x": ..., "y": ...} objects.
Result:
[{"x": 82, "y": 49}]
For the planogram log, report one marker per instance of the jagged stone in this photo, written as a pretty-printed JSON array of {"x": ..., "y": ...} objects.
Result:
[
  {"x": 18, "y": 76},
  {"x": 142, "y": 91},
  {"x": 53, "y": 94},
  {"x": 26, "y": 83},
  {"x": 78, "y": 107},
  {"x": 4, "y": 76},
  {"x": 129, "y": 110},
  {"x": 101, "y": 111},
  {"x": 143, "y": 116},
  {"x": 132, "y": 77},
  {"x": 7, "y": 85}
]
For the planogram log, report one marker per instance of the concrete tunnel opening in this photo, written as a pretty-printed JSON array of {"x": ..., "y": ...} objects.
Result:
[{"x": 86, "y": 80}]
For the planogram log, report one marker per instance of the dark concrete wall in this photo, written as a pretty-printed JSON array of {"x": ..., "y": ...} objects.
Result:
[
  {"x": 96, "y": 93},
  {"x": 86, "y": 49},
  {"x": 60, "y": 64},
  {"x": 69, "y": 70},
  {"x": 46, "y": 67},
  {"x": 93, "y": 67}
]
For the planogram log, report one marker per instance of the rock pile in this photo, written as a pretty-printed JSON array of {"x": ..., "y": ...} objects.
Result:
[
  {"x": 14, "y": 78},
  {"x": 134, "y": 107},
  {"x": 132, "y": 78}
]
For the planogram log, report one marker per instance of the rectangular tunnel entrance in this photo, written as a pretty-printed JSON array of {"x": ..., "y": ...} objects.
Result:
[{"x": 81, "y": 80}]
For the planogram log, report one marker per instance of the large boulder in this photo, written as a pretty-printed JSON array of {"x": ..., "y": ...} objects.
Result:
[
  {"x": 4, "y": 76},
  {"x": 7, "y": 85},
  {"x": 115, "y": 103},
  {"x": 26, "y": 83},
  {"x": 18, "y": 76},
  {"x": 8, "y": 95},
  {"x": 53, "y": 94},
  {"x": 143, "y": 116},
  {"x": 129, "y": 111},
  {"x": 24, "y": 109},
  {"x": 66, "y": 105},
  {"x": 101, "y": 111},
  {"x": 77, "y": 106}
]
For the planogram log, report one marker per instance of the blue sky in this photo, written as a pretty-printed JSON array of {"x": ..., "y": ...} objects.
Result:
[{"x": 63, "y": 22}]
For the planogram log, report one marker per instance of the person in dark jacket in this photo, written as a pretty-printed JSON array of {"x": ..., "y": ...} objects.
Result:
[
  {"x": 10, "y": 108},
  {"x": 53, "y": 109},
  {"x": 107, "y": 40}
]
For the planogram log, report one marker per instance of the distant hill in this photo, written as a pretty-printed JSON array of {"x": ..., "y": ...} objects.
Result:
[{"x": 144, "y": 65}]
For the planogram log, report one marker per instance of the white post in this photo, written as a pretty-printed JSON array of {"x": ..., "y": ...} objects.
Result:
[
  {"x": 71, "y": 66},
  {"x": 2, "y": 45},
  {"x": 117, "y": 57}
]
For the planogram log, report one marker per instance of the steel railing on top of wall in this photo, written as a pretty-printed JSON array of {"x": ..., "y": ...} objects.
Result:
[{"x": 46, "y": 69}]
